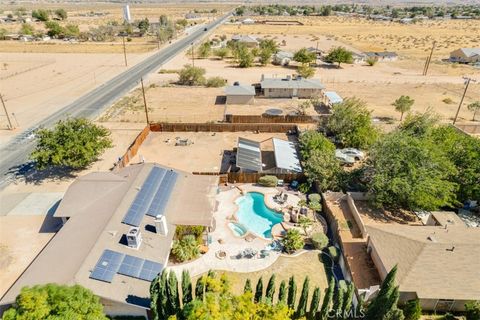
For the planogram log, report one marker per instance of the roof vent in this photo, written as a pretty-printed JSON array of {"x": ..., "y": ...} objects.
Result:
[{"x": 134, "y": 237}]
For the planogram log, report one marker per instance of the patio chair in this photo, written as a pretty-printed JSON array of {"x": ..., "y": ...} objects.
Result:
[{"x": 285, "y": 197}]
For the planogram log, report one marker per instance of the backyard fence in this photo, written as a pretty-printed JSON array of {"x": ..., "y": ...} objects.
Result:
[
  {"x": 132, "y": 149},
  {"x": 265, "y": 118},
  {"x": 223, "y": 127},
  {"x": 252, "y": 177}
]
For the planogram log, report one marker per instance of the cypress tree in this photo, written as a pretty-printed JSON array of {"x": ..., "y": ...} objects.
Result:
[
  {"x": 200, "y": 288},
  {"x": 270, "y": 289},
  {"x": 173, "y": 300},
  {"x": 327, "y": 300},
  {"x": 162, "y": 296},
  {"x": 282, "y": 292},
  {"x": 385, "y": 298},
  {"x": 212, "y": 275},
  {"x": 347, "y": 302},
  {"x": 248, "y": 286},
  {"x": 154, "y": 290},
  {"x": 412, "y": 310},
  {"x": 292, "y": 292},
  {"x": 302, "y": 304},
  {"x": 314, "y": 304},
  {"x": 186, "y": 287},
  {"x": 259, "y": 291},
  {"x": 338, "y": 299}
]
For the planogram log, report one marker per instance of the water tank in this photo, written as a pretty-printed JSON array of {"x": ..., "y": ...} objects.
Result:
[
  {"x": 161, "y": 225},
  {"x": 134, "y": 237}
]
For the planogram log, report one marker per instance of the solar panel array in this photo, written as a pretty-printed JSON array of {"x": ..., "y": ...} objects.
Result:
[
  {"x": 112, "y": 262},
  {"x": 153, "y": 197}
]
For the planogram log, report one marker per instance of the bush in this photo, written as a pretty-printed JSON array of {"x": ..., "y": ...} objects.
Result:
[
  {"x": 268, "y": 181},
  {"x": 191, "y": 76},
  {"x": 185, "y": 249},
  {"x": 314, "y": 197},
  {"x": 449, "y": 316},
  {"x": 292, "y": 241},
  {"x": 319, "y": 240},
  {"x": 182, "y": 231},
  {"x": 448, "y": 101},
  {"x": 334, "y": 253},
  {"x": 371, "y": 61},
  {"x": 315, "y": 206},
  {"x": 412, "y": 310},
  {"x": 215, "y": 82},
  {"x": 472, "y": 310}
]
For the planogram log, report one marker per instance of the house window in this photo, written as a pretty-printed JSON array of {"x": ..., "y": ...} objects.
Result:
[{"x": 444, "y": 305}]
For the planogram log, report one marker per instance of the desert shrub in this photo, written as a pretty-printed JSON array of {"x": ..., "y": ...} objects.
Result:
[
  {"x": 334, "y": 253},
  {"x": 292, "y": 241},
  {"x": 191, "y": 76},
  {"x": 185, "y": 249},
  {"x": 182, "y": 231},
  {"x": 371, "y": 61},
  {"x": 319, "y": 240},
  {"x": 314, "y": 197},
  {"x": 448, "y": 101},
  {"x": 268, "y": 181},
  {"x": 472, "y": 310},
  {"x": 315, "y": 206},
  {"x": 215, "y": 82}
]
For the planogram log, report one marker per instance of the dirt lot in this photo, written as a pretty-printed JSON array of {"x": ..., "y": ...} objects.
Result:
[{"x": 206, "y": 154}]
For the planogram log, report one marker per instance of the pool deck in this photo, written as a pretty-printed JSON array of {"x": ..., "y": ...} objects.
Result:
[{"x": 223, "y": 238}]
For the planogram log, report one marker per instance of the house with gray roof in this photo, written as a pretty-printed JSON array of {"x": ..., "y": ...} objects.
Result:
[
  {"x": 465, "y": 55},
  {"x": 240, "y": 94},
  {"x": 248, "y": 40},
  {"x": 290, "y": 87},
  {"x": 117, "y": 233},
  {"x": 382, "y": 55},
  {"x": 282, "y": 58}
]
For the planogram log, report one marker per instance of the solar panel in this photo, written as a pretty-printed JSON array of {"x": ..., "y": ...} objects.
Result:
[
  {"x": 144, "y": 197},
  {"x": 131, "y": 266},
  {"x": 150, "y": 270},
  {"x": 107, "y": 266},
  {"x": 160, "y": 200}
]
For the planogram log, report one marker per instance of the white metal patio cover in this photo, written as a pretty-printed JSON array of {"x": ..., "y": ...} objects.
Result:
[
  {"x": 249, "y": 155},
  {"x": 286, "y": 156}
]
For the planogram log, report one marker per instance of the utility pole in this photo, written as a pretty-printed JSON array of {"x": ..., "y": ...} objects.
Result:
[
  {"x": 429, "y": 59},
  {"x": 10, "y": 126},
  {"x": 124, "y": 51},
  {"x": 467, "y": 83},
  {"x": 145, "y": 102},
  {"x": 193, "y": 56}
]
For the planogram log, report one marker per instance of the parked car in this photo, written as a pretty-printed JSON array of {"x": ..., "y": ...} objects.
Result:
[
  {"x": 355, "y": 153},
  {"x": 344, "y": 158}
]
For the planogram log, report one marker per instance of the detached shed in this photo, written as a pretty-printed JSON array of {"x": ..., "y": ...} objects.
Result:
[
  {"x": 331, "y": 98},
  {"x": 249, "y": 155},
  {"x": 286, "y": 157},
  {"x": 240, "y": 94}
]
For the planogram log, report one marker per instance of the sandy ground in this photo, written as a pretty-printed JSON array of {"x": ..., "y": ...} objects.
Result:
[{"x": 204, "y": 155}]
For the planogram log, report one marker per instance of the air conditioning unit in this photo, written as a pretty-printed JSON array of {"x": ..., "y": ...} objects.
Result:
[
  {"x": 134, "y": 238},
  {"x": 161, "y": 225}
]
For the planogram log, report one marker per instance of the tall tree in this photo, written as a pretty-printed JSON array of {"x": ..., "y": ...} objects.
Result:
[
  {"x": 282, "y": 292},
  {"x": 348, "y": 301},
  {"x": 292, "y": 292},
  {"x": 259, "y": 291},
  {"x": 474, "y": 107},
  {"x": 338, "y": 299},
  {"x": 302, "y": 303},
  {"x": 403, "y": 104},
  {"x": 327, "y": 300},
  {"x": 304, "y": 56},
  {"x": 386, "y": 298},
  {"x": 314, "y": 304},
  {"x": 339, "y": 55},
  {"x": 200, "y": 288},
  {"x": 154, "y": 292},
  {"x": 173, "y": 301},
  {"x": 187, "y": 294},
  {"x": 270, "y": 289},
  {"x": 248, "y": 286}
]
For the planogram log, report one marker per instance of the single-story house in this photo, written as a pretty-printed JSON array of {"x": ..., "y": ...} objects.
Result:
[
  {"x": 330, "y": 98},
  {"x": 117, "y": 233},
  {"x": 465, "y": 55},
  {"x": 382, "y": 55},
  {"x": 318, "y": 52},
  {"x": 437, "y": 264},
  {"x": 282, "y": 58},
  {"x": 249, "y": 41},
  {"x": 249, "y": 157},
  {"x": 290, "y": 87},
  {"x": 240, "y": 94}
]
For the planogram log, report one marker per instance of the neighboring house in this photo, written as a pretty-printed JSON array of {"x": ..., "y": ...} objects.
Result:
[
  {"x": 192, "y": 15},
  {"x": 406, "y": 20},
  {"x": 240, "y": 94},
  {"x": 318, "y": 52},
  {"x": 251, "y": 158},
  {"x": 358, "y": 57},
  {"x": 291, "y": 87},
  {"x": 330, "y": 98},
  {"x": 248, "y": 40},
  {"x": 282, "y": 58},
  {"x": 248, "y": 21},
  {"x": 465, "y": 55},
  {"x": 117, "y": 233},
  {"x": 382, "y": 55},
  {"x": 437, "y": 264}
]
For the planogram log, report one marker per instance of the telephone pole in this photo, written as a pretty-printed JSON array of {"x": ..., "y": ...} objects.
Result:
[
  {"x": 467, "y": 83},
  {"x": 429, "y": 59},
  {"x": 145, "y": 102},
  {"x": 193, "y": 56},
  {"x": 124, "y": 51},
  {"x": 10, "y": 126}
]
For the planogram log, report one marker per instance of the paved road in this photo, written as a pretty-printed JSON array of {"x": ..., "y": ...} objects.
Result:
[{"x": 16, "y": 153}]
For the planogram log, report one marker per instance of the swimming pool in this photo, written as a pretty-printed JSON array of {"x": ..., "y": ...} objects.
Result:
[
  {"x": 237, "y": 229},
  {"x": 255, "y": 216}
]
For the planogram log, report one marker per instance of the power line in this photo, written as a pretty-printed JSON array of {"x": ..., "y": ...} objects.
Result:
[
  {"x": 124, "y": 51},
  {"x": 145, "y": 102},
  {"x": 10, "y": 126},
  {"x": 429, "y": 59},
  {"x": 467, "y": 83}
]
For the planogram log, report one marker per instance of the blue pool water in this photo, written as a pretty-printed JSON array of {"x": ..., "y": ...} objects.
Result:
[{"x": 255, "y": 216}]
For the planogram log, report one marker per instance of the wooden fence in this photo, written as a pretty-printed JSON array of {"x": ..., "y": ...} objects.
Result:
[
  {"x": 132, "y": 149},
  {"x": 222, "y": 127},
  {"x": 265, "y": 118},
  {"x": 252, "y": 177}
]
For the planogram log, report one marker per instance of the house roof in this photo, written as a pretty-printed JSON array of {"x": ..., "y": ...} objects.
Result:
[
  {"x": 286, "y": 156},
  {"x": 291, "y": 83},
  {"x": 283, "y": 55},
  {"x": 435, "y": 262},
  {"x": 448, "y": 218},
  {"x": 470, "y": 52},
  {"x": 244, "y": 38},
  {"x": 240, "y": 90},
  {"x": 95, "y": 225},
  {"x": 383, "y": 54},
  {"x": 333, "y": 97},
  {"x": 249, "y": 155}
]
